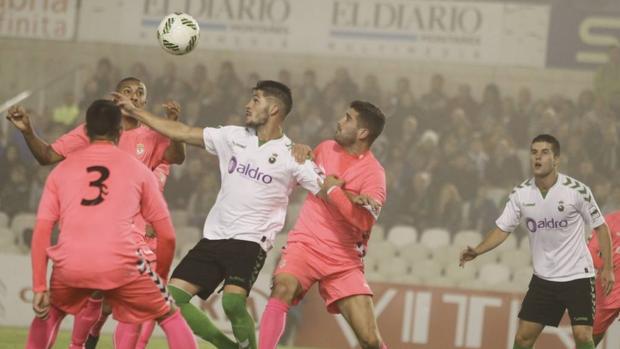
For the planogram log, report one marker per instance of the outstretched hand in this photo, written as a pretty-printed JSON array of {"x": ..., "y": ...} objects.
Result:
[
  {"x": 127, "y": 107},
  {"x": 301, "y": 152},
  {"x": 173, "y": 110},
  {"x": 467, "y": 255},
  {"x": 18, "y": 116}
]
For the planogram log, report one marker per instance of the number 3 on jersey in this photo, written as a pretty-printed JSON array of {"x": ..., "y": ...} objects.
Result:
[{"x": 104, "y": 173}]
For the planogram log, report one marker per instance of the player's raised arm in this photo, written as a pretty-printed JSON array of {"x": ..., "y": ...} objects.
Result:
[
  {"x": 357, "y": 215},
  {"x": 493, "y": 239},
  {"x": 40, "y": 149},
  {"x": 175, "y": 130},
  {"x": 175, "y": 153}
]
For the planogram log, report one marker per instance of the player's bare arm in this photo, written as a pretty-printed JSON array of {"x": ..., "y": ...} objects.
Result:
[
  {"x": 607, "y": 273},
  {"x": 175, "y": 130},
  {"x": 175, "y": 153},
  {"x": 493, "y": 239},
  {"x": 42, "y": 151}
]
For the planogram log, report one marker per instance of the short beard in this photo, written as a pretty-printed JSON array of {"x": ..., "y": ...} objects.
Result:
[
  {"x": 343, "y": 142},
  {"x": 253, "y": 124}
]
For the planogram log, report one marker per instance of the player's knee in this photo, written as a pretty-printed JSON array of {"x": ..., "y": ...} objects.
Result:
[
  {"x": 524, "y": 340},
  {"x": 582, "y": 336},
  {"x": 283, "y": 291},
  {"x": 370, "y": 341},
  {"x": 234, "y": 305}
]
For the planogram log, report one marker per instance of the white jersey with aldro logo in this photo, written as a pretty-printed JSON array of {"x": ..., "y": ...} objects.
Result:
[
  {"x": 256, "y": 182},
  {"x": 556, "y": 224}
]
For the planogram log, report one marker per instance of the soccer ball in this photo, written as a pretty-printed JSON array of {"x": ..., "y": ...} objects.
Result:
[{"x": 178, "y": 33}]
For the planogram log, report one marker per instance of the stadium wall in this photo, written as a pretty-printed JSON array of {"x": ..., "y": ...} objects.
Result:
[{"x": 409, "y": 316}]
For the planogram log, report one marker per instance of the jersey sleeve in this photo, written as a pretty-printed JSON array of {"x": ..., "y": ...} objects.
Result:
[
  {"x": 361, "y": 217},
  {"x": 49, "y": 205},
  {"x": 153, "y": 205},
  {"x": 308, "y": 175},
  {"x": 76, "y": 139},
  {"x": 588, "y": 208},
  {"x": 161, "y": 145},
  {"x": 511, "y": 216},
  {"x": 162, "y": 171},
  {"x": 215, "y": 139}
]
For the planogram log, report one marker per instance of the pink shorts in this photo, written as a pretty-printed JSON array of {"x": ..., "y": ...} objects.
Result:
[
  {"x": 143, "y": 298},
  {"x": 603, "y": 317},
  {"x": 336, "y": 280}
]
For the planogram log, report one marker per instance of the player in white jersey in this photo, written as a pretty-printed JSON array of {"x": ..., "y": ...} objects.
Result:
[
  {"x": 258, "y": 173},
  {"x": 555, "y": 209}
]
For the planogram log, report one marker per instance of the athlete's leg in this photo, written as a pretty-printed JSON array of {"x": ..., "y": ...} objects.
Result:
[
  {"x": 285, "y": 289},
  {"x": 527, "y": 333},
  {"x": 178, "y": 333},
  {"x": 86, "y": 319},
  {"x": 583, "y": 337},
  {"x": 42, "y": 333},
  {"x": 359, "y": 313},
  {"x": 145, "y": 334}
]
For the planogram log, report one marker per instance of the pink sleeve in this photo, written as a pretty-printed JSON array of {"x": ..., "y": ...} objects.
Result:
[
  {"x": 161, "y": 145},
  {"x": 69, "y": 142},
  {"x": 49, "y": 205},
  {"x": 361, "y": 217},
  {"x": 41, "y": 240},
  {"x": 166, "y": 239},
  {"x": 153, "y": 206},
  {"x": 161, "y": 173}
]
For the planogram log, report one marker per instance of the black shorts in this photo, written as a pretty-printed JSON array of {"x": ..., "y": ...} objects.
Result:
[
  {"x": 236, "y": 262},
  {"x": 546, "y": 301}
]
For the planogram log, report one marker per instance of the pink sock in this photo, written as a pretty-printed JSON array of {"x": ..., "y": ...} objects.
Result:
[
  {"x": 95, "y": 331},
  {"x": 272, "y": 323},
  {"x": 126, "y": 335},
  {"x": 383, "y": 346},
  {"x": 145, "y": 334},
  {"x": 178, "y": 333},
  {"x": 85, "y": 320},
  {"x": 42, "y": 334}
]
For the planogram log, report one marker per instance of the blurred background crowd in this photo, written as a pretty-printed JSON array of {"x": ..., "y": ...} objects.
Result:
[{"x": 450, "y": 158}]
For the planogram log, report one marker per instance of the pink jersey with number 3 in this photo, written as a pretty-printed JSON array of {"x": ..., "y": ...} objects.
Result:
[
  {"x": 95, "y": 194},
  {"x": 145, "y": 144},
  {"x": 340, "y": 231}
]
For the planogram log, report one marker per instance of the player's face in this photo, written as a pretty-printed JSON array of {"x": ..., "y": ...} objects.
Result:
[
  {"x": 136, "y": 91},
  {"x": 257, "y": 110},
  {"x": 347, "y": 130},
  {"x": 542, "y": 159}
]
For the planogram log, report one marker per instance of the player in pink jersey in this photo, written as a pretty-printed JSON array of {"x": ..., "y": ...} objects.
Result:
[
  {"x": 607, "y": 307},
  {"x": 153, "y": 149},
  {"x": 329, "y": 239},
  {"x": 111, "y": 188}
]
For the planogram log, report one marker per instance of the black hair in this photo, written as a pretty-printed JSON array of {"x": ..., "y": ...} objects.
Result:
[
  {"x": 555, "y": 144},
  {"x": 370, "y": 117},
  {"x": 277, "y": 90},
  {"x": 103, "y": 119}
]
